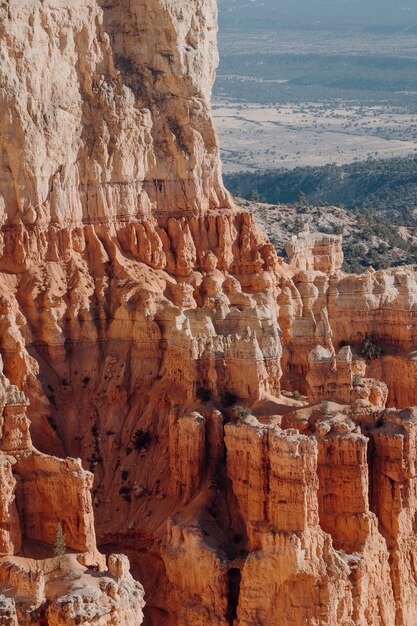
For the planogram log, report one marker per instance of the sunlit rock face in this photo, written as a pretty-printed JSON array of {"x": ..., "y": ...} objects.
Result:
[
  {"x": 144, "y": 318},
  {"x": 107, "y": 110},
  {"x": 315, "y": 251}
]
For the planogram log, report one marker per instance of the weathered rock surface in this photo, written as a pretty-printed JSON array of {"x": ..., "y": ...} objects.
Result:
[
  {"x": 38, "y": 492},
  {"x": 107, "y": 124},
  {"x": 145, "y": 317},
  {"x": 315, "y": 252},
  {"x": 59, "y": 591}
]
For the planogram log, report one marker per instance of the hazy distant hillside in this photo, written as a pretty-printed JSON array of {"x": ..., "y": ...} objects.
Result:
[
  {"x": 386, "y": 188},
  {"x": 373, "y": 15}
]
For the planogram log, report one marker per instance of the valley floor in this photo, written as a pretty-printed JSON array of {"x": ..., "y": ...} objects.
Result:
[{"x": 255, "y": 136}]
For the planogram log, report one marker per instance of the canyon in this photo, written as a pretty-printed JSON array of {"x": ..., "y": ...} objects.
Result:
[{"x": 230, "y": 429}]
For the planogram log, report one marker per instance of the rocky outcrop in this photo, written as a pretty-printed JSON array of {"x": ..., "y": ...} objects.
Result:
[
  {"x": 315, "y": 252},
  {"x": 80, "y": 596},
  {"x": 39, "y": 493},
  {"x": 301, "y": 495},
  {"x": 144, "y": 317},
  {"x": 31, "y": 479},
  {"x": 315, "y": 309},
  {"x": 106, "y": 124},
  {"x": 10, "y": 532},
  {"x": 332, "y": 376}
]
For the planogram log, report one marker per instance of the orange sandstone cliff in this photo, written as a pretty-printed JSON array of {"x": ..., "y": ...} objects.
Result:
[{"x": 215, "y": 399}]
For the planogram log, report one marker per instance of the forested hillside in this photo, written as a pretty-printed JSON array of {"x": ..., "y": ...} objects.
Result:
[{"x": 384, "y": 187}]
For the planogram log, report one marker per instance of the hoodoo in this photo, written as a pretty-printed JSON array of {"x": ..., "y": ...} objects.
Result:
[{"x": 195, "y": 403}]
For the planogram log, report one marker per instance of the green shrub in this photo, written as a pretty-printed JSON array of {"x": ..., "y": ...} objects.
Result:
[
  {"x": 371, "y": 348},
  {"x": 325, "y": 407},
  {"x": 241, "y": 412}
]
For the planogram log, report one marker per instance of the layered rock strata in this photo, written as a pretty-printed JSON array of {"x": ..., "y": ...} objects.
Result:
[
  {"x": 145, "y": 318},
  {"x": 113, "y": 119},
  {"x": 39, "y": 492},
  {"x": 333, "y": 311},
  {"x": 315, "y": 252}
]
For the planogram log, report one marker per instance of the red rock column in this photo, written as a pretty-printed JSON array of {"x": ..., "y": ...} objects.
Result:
[
  {"x": 10, "y": 536},
  {"x": 274, "y": 477},
  {"x": 394, "y": 500},
  {"x": 16, "y": 435},
  {"x": 343, "y": 489},
  {"x": 52, "y": 490},
  {"x": 187, "y": 440}
]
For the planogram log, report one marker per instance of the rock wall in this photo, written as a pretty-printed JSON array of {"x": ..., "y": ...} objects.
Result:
[
  {"x": 102, "y": 123},
  {"x": 295, "y": 572},
  {"x": 315, "y": 251},
  {"x": 316, "y": 309},
  {"x": 39, "y": 492},
  {"x": 146, "y": 318}
]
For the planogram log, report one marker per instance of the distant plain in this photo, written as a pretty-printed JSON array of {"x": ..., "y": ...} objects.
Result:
[{"x": 288, "y": 98}]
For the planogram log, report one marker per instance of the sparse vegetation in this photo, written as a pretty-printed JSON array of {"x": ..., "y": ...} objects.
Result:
[
  {"x": 368, "y": 238},
  {"x": 301, "y": 199},
  {"x": 379, "y": 422},
  {"x": 229, "y": 399},
  {"x": 125, "y": 492},
  {"x": 297, "y": 395},
  {"x": 356, "y": 380},
  {"x": 204, "y": 394},
  {"x": 60, "y": 546},
  {"x": 325, "y": 408},
  {"x": 241, "y": 412},
  {"x": 386, "y": 186},
  {"x": 371, "y": 348},
  {"x": 94, "y": 459}
]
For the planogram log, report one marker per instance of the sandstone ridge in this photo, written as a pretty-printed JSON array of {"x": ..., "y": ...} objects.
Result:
[{"x": 238, "y": 423}]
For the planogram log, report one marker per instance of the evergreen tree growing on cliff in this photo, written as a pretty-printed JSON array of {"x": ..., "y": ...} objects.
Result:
[{"x": 60, "y": 546}]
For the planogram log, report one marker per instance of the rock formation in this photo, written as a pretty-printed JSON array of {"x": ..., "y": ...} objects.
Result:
[
  {"x": 228, "y": 409},
  {"x": 38, "y": 493},
  {"x": 113, "y": 119},
  {"x": 315, "y": 251}
]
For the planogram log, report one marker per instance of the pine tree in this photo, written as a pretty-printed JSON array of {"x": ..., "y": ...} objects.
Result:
[
  {"x": 301, "y": 199},
  {"x": 60, "y": 547},
  {"x": 254, "y": 195}
]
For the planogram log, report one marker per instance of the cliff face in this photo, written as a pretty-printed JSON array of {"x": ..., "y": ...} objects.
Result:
[
  {"x": 39, "y": 492},
  {"x": 107, "y": 110},
  {"x": 139, "y": 311}
]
